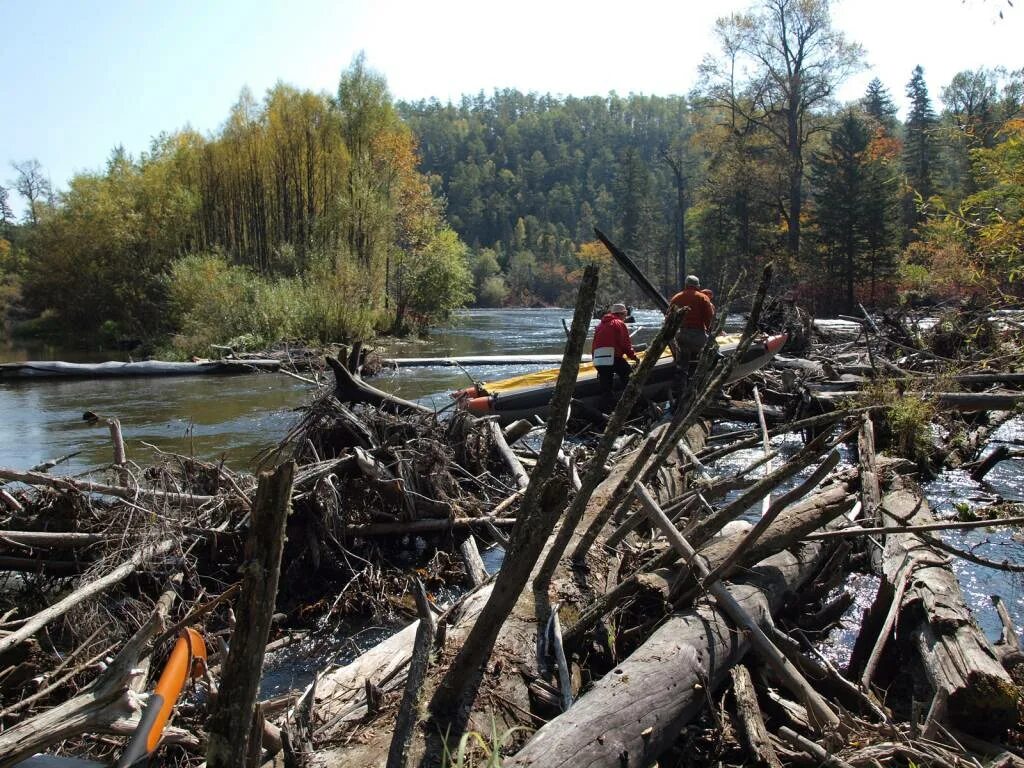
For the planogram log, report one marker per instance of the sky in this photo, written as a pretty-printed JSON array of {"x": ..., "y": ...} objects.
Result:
[{"x": 79, "y": 78}]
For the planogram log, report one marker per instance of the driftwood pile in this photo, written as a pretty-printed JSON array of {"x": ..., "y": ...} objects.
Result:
[
  {"x": 650, "y": 609},
  {"x": 99, "y": 575}
]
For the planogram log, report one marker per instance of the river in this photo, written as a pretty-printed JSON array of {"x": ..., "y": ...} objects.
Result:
[{"x": 232, "y": 418}]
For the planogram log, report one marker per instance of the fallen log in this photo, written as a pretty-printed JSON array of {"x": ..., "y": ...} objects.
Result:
[
  {"x": 965, "y": 402},
  {"x": 351, "y": 389},
  {"x": 790, "y": 527},
  {"x": 424, "y": 526},
  {"x": 119, "y": 491},
  {"x": 512, "y": 461},
  {"x": 934, "y": 621},
  {"x": 53, "y": 539},
  {"x": 474, "y": 565},
  {"x": 755, "y": 735},
  {"x": 408, "y": 713},
  {"x": 340, "y": 695},
  {"x": 633, "y": 714},
  {"x": 987, "y": 464},
  {"x": 823, "y": 717}
]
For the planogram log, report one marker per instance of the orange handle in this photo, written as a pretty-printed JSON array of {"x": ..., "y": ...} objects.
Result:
[{"x": 189, "y": 647}]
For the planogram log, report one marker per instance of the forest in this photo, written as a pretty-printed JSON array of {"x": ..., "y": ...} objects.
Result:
[{"x": 340, "y": 216}]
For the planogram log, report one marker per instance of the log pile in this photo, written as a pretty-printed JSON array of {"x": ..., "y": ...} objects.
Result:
[
  {"x": 375, "y": 501},
  {"x": 652, "y": 607}
]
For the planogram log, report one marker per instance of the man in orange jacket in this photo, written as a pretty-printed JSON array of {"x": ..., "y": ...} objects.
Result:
[
  {"x": 612, "y": 346},
  {"x": 697, "y": 322}
]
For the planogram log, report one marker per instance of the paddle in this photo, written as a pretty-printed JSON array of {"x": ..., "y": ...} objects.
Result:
[{"x": 633, "y": 271}]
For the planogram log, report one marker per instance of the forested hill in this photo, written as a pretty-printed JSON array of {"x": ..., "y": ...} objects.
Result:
[
  {"x": 526, "y": 177},
  {"x": 529, "y": 176}
]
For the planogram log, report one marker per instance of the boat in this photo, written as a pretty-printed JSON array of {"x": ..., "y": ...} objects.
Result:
[
  {"x": 56, "y": 369},
  {"x": 524, "y": 396}
]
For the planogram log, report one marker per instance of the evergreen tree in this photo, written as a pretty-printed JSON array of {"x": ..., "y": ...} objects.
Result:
[
  {"x": 855, "y": 204},
  {"x": 879, "y": 106},
  {"x": 920, "y": 147},
  {"x": 632, "y": 186},
  {"x": 839, "y": 177}
]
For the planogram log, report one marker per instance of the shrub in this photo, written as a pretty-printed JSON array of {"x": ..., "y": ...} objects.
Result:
[{"x": 214, "y": 302}]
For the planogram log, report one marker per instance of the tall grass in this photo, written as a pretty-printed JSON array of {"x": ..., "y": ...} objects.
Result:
[
  {"x": 214, "y": 302},
  {"x": 476, "y": 750}
]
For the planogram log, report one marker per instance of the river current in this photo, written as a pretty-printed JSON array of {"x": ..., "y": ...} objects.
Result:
[{"x": 232, "y": 418}]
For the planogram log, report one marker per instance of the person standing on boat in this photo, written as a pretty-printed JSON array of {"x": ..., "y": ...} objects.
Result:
[
  {"x": 612, "y": 346},
  {"x": 697, "y": 321}
]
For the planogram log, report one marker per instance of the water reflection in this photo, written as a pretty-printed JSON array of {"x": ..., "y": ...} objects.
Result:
[{"x": 232, "y": 418}]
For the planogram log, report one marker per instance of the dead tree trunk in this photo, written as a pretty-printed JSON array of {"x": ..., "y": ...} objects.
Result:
[
  {"x": 934, "y": 621},
  {"x": 538, "y": 514},
  {"x": 635, "y": 712},
  {"x": 231, "y": 720}
]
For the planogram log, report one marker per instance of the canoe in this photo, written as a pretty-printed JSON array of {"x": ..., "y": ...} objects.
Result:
[
  {"x": 473, "y": 360},
  {"x": 55, "y": 369},
  {"x": 529, "y": 394}
]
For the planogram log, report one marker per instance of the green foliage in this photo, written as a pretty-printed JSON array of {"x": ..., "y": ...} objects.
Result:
[
  {"x": 432, "y": 281},
  {"x": 492, "y": 292},
  {"x": 907, "y": 424},
  {"x": 102, "y": 253},
  {"x": 313, "y": 206},
  {"x": 855, "y": 217},
  {"x": 474, "y": 750},
  {"x": 336, "y": 215},
  {"x": 215, "y": 302},
  {"x": 532, "y": 173}
]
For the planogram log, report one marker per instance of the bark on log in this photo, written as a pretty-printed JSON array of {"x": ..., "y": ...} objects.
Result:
[
  {"x": 408, "y": 712},
  {"x": 511, "y": 460},
  {"x": 935, "y": 622},
  {"x": 351, "y": 389},
  {"x": 471, "y": 559},
  {"x": 755, "y": 735},
  {"x": 790, "y": 527},
  {"x": 424, "y": 526},
  {"x": 85, "y": 486},
  {"x": 965, "y": 402},
  {"x": 537, "y": 517},
  {"x": 824, "y": 718},
  {"x": 635, "y": 712},
  {"x": 53, "y": 539},
  {"x": 340, "y": 695},
  {"x": 231, "y": 720}
]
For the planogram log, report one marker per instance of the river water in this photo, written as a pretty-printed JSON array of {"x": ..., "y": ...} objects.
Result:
[{"x": 232, "y": 418}]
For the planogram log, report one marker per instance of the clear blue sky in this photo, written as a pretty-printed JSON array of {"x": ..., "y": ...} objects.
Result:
[{"x": 77, "y": 78}]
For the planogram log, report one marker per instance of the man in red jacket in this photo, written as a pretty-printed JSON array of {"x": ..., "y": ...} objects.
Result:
[
  {"x": 697, "y": 322},
  {"x": 612, "y": 346}
]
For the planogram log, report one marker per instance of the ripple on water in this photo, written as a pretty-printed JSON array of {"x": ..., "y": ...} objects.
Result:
[
  {"x": 952, "y": 487},
  {"x": 998, "y": 543}
]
